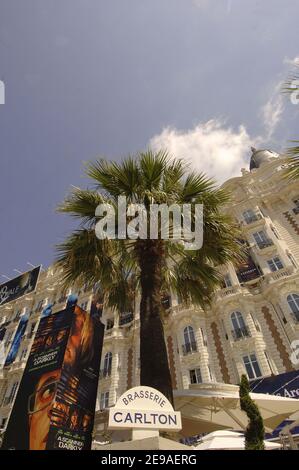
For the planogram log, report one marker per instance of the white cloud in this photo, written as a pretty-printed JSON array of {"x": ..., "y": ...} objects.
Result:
[
  {"x": 294, "y": 61},
  {"x": 218, "y": 150},
  {"x": 271, "y": 112},
  {"x": 210, "y": 147}
]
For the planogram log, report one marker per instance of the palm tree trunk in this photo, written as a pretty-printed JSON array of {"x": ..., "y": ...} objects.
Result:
[{"x": 154, "y": 367}]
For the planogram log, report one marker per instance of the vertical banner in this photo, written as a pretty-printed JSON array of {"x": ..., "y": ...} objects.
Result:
[
  {"x": 55, "y": 403},
  {"x": 17, "y": 339},
  {"x": 247, "y": 270},
  {"x": 74, "y": 407}
]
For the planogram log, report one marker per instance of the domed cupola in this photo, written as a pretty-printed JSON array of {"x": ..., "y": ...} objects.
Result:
[{"x": 259, "y": 157}]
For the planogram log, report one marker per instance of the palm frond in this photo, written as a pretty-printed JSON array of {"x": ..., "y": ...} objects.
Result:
[
  {"x": 195, "y": 282},
  {"x": 292, "y": 172},
  {"x": 115, "y": 178},
  {"x": 195, "y": 186},
  {"x": 152, "y": 167},
  {"x": 291, "y": 85},
  {"x": 85, "y": 259},
  {"x": 81, "y": 204},
  {"x": 151, "y": 177}
]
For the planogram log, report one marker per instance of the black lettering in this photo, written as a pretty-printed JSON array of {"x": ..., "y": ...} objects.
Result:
[
  {"x": 118, "y": 413},
  {"x": 128, "y": 418},
  {"x": 172, "y": 419},
  {"x": 162, "y": 419},
  {"x": 138, "y": 417}
]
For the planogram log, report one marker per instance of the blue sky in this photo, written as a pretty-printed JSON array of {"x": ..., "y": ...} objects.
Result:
[{"x": 90, "y": 78}]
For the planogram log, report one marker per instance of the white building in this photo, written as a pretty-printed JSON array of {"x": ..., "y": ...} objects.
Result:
[{"x": 249, "y": 328}]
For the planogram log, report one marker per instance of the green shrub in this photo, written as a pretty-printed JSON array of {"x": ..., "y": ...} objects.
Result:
[{"x": 255, "y": 431}]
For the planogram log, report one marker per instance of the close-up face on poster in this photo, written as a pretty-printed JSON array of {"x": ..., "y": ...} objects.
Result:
[{"x": 54, "y": 407}]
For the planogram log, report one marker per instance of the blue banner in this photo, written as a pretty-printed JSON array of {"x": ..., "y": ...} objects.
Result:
[
  {"x": 17, "y": 339},
  {"x": 282, "y": 385}
]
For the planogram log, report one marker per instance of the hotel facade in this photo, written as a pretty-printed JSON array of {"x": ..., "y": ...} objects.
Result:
[{"x": 249, "y": 328}]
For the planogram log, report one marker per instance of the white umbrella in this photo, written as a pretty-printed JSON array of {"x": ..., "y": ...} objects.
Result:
[
  {"x": 213, "y": 406},
  {"x": 228, "y": 440}
]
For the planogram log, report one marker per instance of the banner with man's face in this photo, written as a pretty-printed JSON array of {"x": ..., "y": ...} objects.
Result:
[{"x": 55, "y": 403}]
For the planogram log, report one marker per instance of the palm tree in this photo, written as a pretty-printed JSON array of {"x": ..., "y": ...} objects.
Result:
[
  {"x": 291, "y": 87},
  {"x": 255, "y": 431},
  {"x": 149, "y": 266},
  {"x": 293, "y": 160}
]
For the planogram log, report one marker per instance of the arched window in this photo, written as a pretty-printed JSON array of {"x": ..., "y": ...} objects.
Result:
[
  {"x": 292, "y": 259},
  {"x": 293, "y": 301},
  {"x": 189, "y": 340},
  {"x": 107, "y": 364},
  {"x": 239, "y": 327}
]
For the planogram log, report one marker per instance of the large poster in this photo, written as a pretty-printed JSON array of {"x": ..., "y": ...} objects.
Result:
[
  {"x": 55, "y": 403},
  {"x": 19, "y": 286}
]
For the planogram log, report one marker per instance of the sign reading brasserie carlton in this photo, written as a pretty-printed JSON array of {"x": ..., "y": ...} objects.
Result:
[
  {"x": 19, "y": 286},
  {"x": 144, "y": 408}
]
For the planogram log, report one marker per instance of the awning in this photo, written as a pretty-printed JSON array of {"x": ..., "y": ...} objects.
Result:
[{"x": 213, "y": 406}]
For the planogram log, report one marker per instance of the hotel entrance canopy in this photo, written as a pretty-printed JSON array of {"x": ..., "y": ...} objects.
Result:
[
  {"x": 213, "y": 406},
  {"x": 228, "y": 440}
]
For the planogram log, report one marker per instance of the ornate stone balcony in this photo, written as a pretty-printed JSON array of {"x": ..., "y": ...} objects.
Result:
[
  {"x": 125, "y": 319},
  {"x": 105, "y": 373},
  {"x": 295, "y": 316},
  {"x": 265, "y": 244},
  {"x": 228, "y": 292},
  {"x": 269, "y": 278},
  {"x": 189, "y": 348},
  {"x": 17, "y": 365},
  {"x": 251, "y": 220},
  {"x": 241, "y": 333},
  {"x": 7, "y": 402}
]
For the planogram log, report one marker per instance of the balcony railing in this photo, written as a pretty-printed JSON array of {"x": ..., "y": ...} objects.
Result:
[
  {"x": 240, "y": 333},
  {"x": 228, "y": 291},
  {"x": 105, "y": 373},
  {"x": 7, "y": 400},
  {"x": 253, "y": 218},
  {"x": 124, "y": 319},
  {"x": 17, "y": 365},
  {"x": 265, "y": 243},
  {"x": 189, "y": 348},
  {"x": 277, "y": 275},
  {"x": 295, "y": 315}
]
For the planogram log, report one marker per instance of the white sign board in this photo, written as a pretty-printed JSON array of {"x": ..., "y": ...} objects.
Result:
[
  {"x": 144, "y": 408},
  {"x": 2, "y": 92}
]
